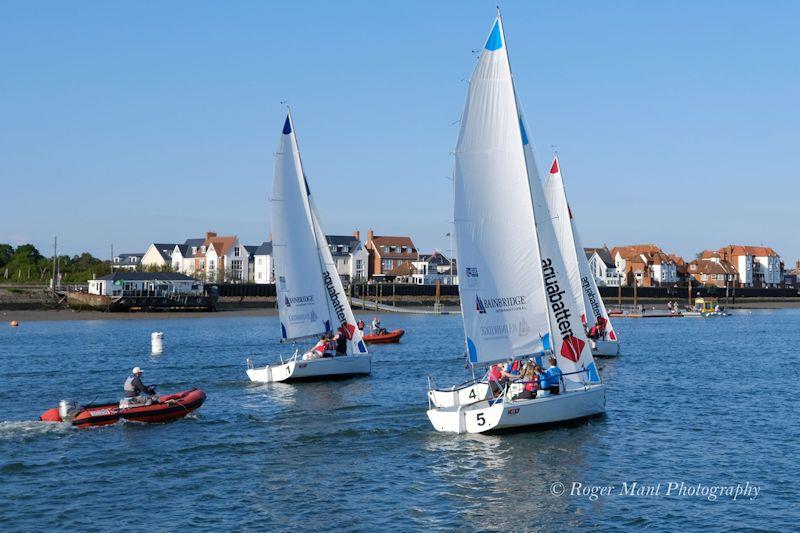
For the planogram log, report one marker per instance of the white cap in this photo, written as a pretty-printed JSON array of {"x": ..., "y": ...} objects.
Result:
[{"x": 137, "y": 370}]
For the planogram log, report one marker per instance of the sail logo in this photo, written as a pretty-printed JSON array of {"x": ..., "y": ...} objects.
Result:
[
  {"x": 560, "y": 311},
  {"x": 592, "y": 297},
  {"x": 521, "y": 328},
  {"x": 282, "y": 283},
  {"x": 299, "y": 300},
  {"x": 349, "y": 330},
  {"x": 303, "y": 317},
  {"x": 333, "y": 294},
  {"x": 471, "y": 274},
  {"x": 500, "y": 305},
  {"x": 572, "y": 347}
]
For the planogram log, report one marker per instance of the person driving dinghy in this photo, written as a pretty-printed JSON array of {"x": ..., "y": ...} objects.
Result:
[
  {"x": 135, "y": 390},
  {"x": 377, "y": 328}
]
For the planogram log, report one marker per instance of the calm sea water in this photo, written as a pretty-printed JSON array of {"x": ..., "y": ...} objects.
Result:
[{"x": 710, "y": 402}]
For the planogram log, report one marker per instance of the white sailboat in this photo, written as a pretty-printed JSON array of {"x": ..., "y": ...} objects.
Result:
[
  {"x": 311, "y": 299},
  {"x": 581, "y": 279},
  {"x": 516, "y": 300}
]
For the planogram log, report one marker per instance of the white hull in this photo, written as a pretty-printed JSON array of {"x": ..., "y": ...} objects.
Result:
[
  {"x": 459, "y": 396},
  {"x": 314, "y": 369},
  {"x": 602, "y": 348},
  {"x": 504, "y": 413}
]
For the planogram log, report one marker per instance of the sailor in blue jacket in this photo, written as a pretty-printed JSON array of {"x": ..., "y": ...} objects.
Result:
[{"x": 553, "y": 377}]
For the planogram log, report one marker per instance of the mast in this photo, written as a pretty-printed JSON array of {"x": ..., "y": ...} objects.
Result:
[{"x": 530, "y": 191}]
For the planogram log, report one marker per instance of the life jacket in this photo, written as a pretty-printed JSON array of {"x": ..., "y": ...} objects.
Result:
[
  {"x": 320, "y": 347},
  {"x": 128, "y": 387},
  {"x": 532, "y": 385},
  {"x": 495, "y": 374},
  {"x": 360, "y": 324}
]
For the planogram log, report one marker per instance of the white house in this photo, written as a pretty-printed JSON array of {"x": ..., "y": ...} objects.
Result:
[
  {"x": 184, "y": 257},
  {"x": 350, "y": 256},
  {"x": 758, "y": 266},
  {"x": 158, "y": 255},
  {"x": 263, "y": 265},
  {"x": 430, "y": 268},
  {"x": 159, "y": 283},
  {"x": 602, "y": 266},
  {"x": 127, "y": 261}
]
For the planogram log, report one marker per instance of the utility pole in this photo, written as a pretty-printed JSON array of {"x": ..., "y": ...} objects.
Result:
[{"x": 55, "y": 254}]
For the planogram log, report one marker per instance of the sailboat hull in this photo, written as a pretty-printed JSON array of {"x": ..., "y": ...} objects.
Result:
[
  {"x": 504, "y": 413},
  {"x": 602, "y": 348},
  {"x": 468, "y": 394},
  {"x": 313, "y": 370}
]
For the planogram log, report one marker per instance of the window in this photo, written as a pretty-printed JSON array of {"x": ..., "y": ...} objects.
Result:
[
  {"x": 116, "y": 259},
  {"x": 359, "y": 264},
  {"x": 386, "y": 249},
  {"x": 260, "y": 275},
  {"x": 237, "y": 251},
  {"x": 134, "y": 259}
]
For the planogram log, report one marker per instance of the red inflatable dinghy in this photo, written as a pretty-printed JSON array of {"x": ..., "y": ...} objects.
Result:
[
  {"x": 168, "y": 407},
  {"x": 386, "y": 338}
]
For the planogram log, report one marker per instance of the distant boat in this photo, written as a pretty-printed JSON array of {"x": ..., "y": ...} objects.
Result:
[
  {"x": 311, "y": 299},
  {"x": 516, "y": 300},
  {"x": 587, "y": 297}
]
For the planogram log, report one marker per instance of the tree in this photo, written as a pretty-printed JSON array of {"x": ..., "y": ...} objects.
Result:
[{"x": 6, "y": 251}]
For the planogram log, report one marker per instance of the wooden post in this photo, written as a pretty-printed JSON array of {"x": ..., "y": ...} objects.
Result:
[
  {"x": 635, "y": 293},
  {"x": 619, "y": 292},
  {"x": 394, "y": 293},
  {"x": 690, "y": 291}
]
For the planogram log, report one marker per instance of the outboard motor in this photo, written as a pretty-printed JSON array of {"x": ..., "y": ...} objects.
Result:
[{"x": 67, "y": 410}]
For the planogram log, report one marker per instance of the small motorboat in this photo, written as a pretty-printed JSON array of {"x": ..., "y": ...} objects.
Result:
[
  {"x": 385, "y": 338},
  {"x": 158, "y": 409}
]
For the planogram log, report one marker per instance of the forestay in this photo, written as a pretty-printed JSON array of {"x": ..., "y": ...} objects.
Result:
[
  {"x": 311, "y": 299},
  {"x": 581, "y": 279},
  {"x": 501, "y": 286}
]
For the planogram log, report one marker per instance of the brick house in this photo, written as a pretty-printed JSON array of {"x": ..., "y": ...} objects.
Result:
[
  {"x": 386, "y": 253},
  {"x": 647, "y": 264}
]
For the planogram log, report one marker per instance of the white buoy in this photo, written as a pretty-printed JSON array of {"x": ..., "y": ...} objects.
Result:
[{"x": 157, "y": 342}]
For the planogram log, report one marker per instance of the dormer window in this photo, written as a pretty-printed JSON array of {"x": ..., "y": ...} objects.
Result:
[{"x": 134, "y": 259}]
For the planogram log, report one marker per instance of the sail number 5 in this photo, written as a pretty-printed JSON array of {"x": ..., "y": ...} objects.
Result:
[{"x": 479, "y": 418}]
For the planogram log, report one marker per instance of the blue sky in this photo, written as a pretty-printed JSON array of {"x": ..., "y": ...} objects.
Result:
[{"x": 132, "y": 122}]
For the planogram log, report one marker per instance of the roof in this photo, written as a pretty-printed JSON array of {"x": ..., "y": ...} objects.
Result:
[
  {"x": 757, "y": 251},
  {"x": 708, "y": 255},
  {"x": 343, "y": 240},
  {"x": 221, "y": 244},
  {"x": 602, "y": 253},
  {"x": 125, "y": 259},
  {"x": 379, "y": 241},
  {"x": 147, "y": 276},
  {"x": 188, "y": 244},
  {"x": 703, "y": 266},
  {"x": 164, "y": 249},
  {"x": 264, "y": 249},
  {"x": 251, "y": 248},
  {"x": 403, "y": 269},
  {"x": 436, "y": 258},
  {"x": 635, "y": 249}
]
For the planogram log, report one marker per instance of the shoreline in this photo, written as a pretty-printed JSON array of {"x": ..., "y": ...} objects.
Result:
[{"x": 45, "y": 315}]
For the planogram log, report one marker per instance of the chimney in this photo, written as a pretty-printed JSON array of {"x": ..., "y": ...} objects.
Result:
[
  {"x": 357, "y": 235},
  {"x": 370, "y": 235},
  {"x": 210, "y": 234},
  {"x": 270, "y": 236}
]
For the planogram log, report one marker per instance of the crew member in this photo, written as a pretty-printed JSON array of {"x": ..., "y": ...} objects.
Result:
[
  {"x": 554, "y": 377},
  {"x": 134, "y": 387}
]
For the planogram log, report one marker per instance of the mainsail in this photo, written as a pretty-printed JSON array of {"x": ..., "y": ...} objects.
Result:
[
  {"x": 581, "y": 278},
  {"x": 311, "y": 299},
  {"x": 500, "y": 279},
  {"x": 515, "y": 297}
]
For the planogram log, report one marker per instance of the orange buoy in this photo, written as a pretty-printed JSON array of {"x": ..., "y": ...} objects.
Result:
[{"x": 14, "y": 323}]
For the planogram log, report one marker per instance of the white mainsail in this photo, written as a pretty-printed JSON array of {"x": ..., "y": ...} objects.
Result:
[
  {"x": 586, "y": 293},
  {"x": 311, "y": 299},
  {"x": 500, "y": 284}
]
